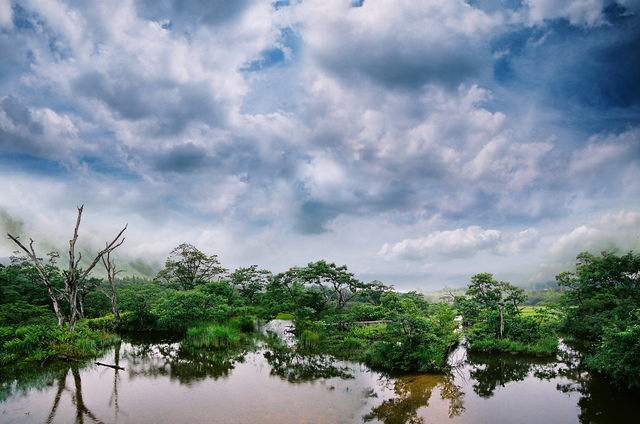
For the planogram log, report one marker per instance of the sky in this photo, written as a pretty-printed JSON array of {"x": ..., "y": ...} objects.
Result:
[{"x": 417, "y": 142}]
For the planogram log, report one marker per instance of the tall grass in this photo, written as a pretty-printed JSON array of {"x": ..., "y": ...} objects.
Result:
[
  {"x": 37, "y": 342},
  {"x": 213, "y": 336}
]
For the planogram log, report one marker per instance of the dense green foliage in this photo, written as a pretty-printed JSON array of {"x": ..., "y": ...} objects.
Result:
[
  {"x": 39, "y": 342},
  {"x": 187, "y": 267},
  {"x": 493, "y": 312},
  {"x": 602, "y": 304},
  {"x": 404, "y": 332},
  {"x": 335, "y": 313},
  {"x": 326, "y": 301}
]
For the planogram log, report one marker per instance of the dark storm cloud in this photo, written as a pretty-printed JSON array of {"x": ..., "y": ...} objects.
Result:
[
  {"x": 314, "y": 216},
  {"x": 403, "y": 44},
  {"x": 125, "y": 96}
]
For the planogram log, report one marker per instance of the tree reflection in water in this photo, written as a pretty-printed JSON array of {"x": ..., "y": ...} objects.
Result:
[
  {"x": 600, "y": 402},
  {"x": 76, "y": 398},
  {"x": 414, "y": 392},
  {"x": 597, "y": 394},
  {"x": 406, "y": 398},
  {"x": 492, "y": 371},
  {"x": 181, "y": 363},
  {"x": 297, "y": 366},
  {"x": 113, "y": 400}
]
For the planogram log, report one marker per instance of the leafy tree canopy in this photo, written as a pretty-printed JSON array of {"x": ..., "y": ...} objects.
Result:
[{"x": 187, "y": 267}]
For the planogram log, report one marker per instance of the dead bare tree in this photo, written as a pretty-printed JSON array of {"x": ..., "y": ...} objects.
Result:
[
  {"x": 74, "y": 276},
  {"x": 51, "y": 290},
  {"x": 110, "y": 266},
  {"x": 75, "y": 279}
]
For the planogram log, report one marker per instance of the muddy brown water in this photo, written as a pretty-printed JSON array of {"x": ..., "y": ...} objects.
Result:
[{"x": 162, "y": 383}]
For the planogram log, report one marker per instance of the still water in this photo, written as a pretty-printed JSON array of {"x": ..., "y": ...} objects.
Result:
[{"x": 270, "y": 383}]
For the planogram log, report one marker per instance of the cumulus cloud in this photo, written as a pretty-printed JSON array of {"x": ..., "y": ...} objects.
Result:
[
  {"x": 504, "y": 166},
  {"x": 397, "y": 43},
  {"x": 38, "y": 131},
  {"x": 615, "y": 231},
  {"x": 578, "y": 12},
  {"x": 5, "y": 13},
  {"x": 294, "y": 129},
  {"x": 457, "y": 243},
  {"x": 604, "y": 153},
  {"x": 519, "y": 243}
]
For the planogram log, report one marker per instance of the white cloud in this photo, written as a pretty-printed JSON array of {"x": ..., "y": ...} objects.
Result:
[
  {"x": 617, "y": 231},
  {"x": 578, "y": 12},
  {"x": 457, "y": 243},
  {"x": 373, "y": 123},
  {"x": 39, "y": 132},
  {"x": 602, "y": 153},
  {"x": 519, "y": 243},
  {"x": 396, "y": 42},
  {"x": 504, "y": 166},
  {"x": 5, "y": 13}
]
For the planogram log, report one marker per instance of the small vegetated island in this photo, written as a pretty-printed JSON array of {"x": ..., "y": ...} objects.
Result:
[{"x": 48, "y": 312}]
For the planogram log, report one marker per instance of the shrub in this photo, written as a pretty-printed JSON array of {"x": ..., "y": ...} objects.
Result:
[{"x": 106, "y": 323}]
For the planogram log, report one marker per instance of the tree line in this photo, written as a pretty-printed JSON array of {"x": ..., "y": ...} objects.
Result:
[{"x": 195, "y": 294}]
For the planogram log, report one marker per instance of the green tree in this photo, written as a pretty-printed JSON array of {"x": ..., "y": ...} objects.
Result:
[
  {"x": 187, "y": 267},
  {"x": 601, "y": 302},
  {"x": 374, "y": 293},
  {"x": 337, "y": 285},
  {"x": 285, "y": 290},
  {"x": 249, "y": 281},
  {"x": 611, "y": 274},
  {"x": 491, "y": 295}
]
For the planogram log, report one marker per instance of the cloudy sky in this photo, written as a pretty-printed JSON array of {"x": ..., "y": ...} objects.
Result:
[{"x": 417, "y": 142}]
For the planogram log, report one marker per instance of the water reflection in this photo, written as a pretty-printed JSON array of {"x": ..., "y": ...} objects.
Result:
[
  {"x": 490, "y": 372},
  {"x": 413, "y": 393},
  {"x": 270, "y": 380},
  {"x": 113, "y": 399},
  {"x": 297, "y": 366},
  {"x": 596, "y": 394},
  {"x": 184, "y": 364}
]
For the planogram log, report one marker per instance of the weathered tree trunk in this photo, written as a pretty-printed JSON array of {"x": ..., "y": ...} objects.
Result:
[
  {"x": 110, "y": 266},
  {"x": 73, "y": 296},
  {"x": 73, "y": 278},
  {"x": 81, "y": 306},
  {"x": 116, "y": 314},
  {"x": 51, "y": 291}
]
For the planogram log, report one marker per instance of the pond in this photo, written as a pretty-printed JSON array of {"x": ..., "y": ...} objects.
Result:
[{"x": 268, "y": 382}]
